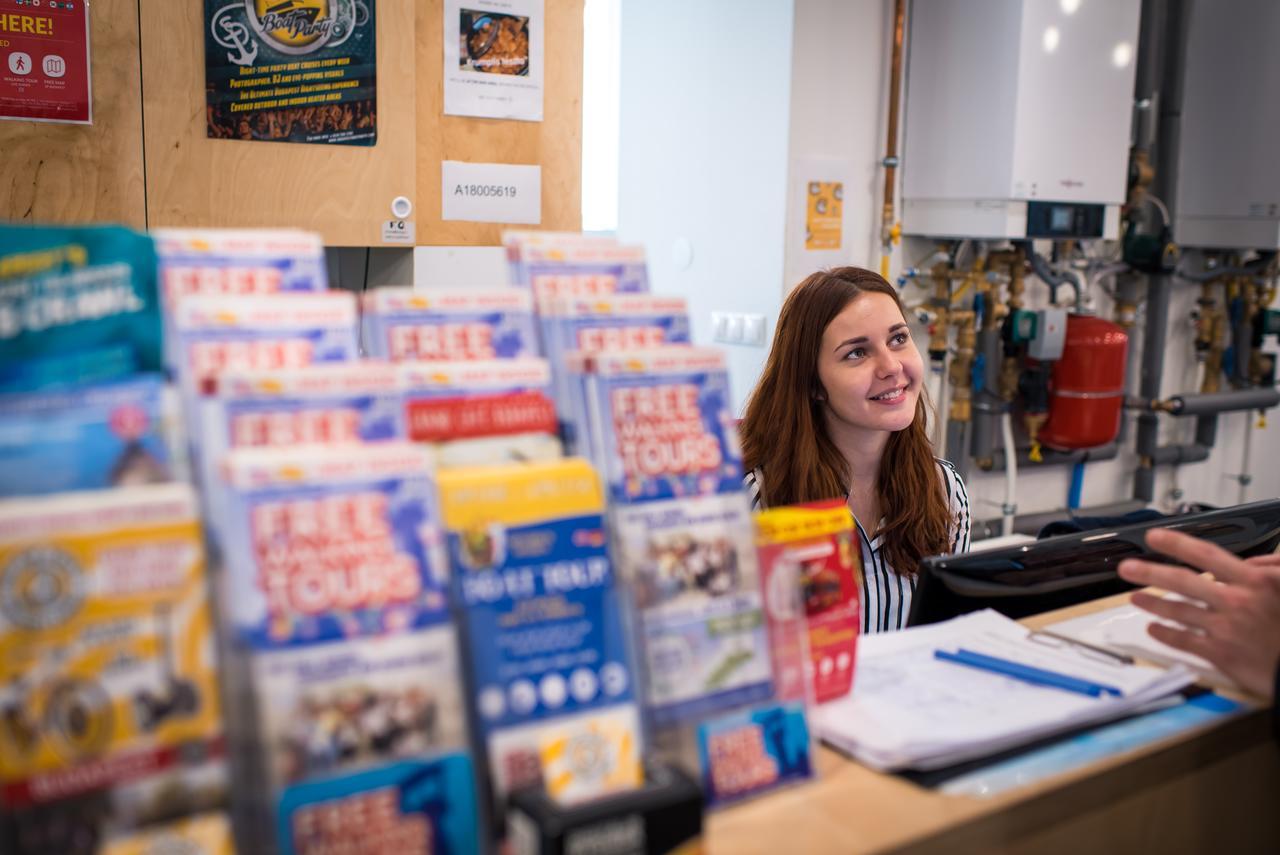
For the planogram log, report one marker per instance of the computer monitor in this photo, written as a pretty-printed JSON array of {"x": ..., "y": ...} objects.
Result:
[{"x": 1030, "y": 578}]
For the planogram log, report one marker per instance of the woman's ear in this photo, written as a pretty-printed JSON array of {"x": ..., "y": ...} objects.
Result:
[{"x": 818, "y": 394}]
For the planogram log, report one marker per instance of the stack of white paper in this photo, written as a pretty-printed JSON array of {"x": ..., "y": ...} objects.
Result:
[
  {"x": 1124, "y": 629},
  {"x": 909, "y": 709}
]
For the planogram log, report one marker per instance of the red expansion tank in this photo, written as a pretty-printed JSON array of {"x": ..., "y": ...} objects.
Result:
[{"x": 1087, "y": 392}]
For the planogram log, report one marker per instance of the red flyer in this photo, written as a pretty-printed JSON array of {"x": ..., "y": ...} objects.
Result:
[
  {"x": 44, "y": 61},
  {"x": 814, "y": 546}
]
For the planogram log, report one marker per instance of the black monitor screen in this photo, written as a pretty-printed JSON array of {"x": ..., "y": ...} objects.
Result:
[{"x": 1029, "y": 578}]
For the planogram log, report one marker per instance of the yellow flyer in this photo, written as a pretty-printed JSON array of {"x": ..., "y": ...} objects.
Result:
[
  {"x": 824, "y": 215},
  {"x": 207, "y": 834},
  {"x": 106, "y": 643}
]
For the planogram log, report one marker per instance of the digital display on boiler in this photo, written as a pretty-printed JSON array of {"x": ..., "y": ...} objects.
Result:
[{"x": 1064, "y": 220}]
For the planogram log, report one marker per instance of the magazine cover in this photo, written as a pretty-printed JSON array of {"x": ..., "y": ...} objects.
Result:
[
  {"x": 234, "y": 262},
  {"x": 547, "y": 649},
  {"x": 579, "y": 269},
  {"x": 92, "y": 438},
  {"x": 238, "y": 262},
  {"x": 421, "y": 806},
  {"x": 321, "y": 546},
  {"x": 615, "y": 322},
  {"x": 87, "y": 291},
  {"x": 520, "y": 243},
  {"x": 572, "y": 325},
  {"x": 403, "y": 324},
  {"x": 339, "y": 706},
  {"x": 89, "y": 579},
  {"x": 816, "y": 547},
  {"x": 663, "y": 424},
  {"x": 329, "y": 403},
  {"x": 262, "y": 332},
  {"x": 691, "y": 568},
  {"x": 268, "y": 332}
]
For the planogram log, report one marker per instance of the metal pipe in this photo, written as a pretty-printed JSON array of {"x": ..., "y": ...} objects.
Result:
[
  {"x": 1032, "y": 523},
  {"x": 987, "y": 409},
  {"x": 1207, "y": 430},
  {"x": 1254, "y": 269},
  {"x": 1053, "y": 457},
  {"x": 887, "y": 226},
  {"x": 1254, "y": 398},
  {"x": 1178, "y": 454},
  {"x": 1153, "y": 347},
  {"x": 1010, "y": 508},
  {"x": 1053, "y": 278}
]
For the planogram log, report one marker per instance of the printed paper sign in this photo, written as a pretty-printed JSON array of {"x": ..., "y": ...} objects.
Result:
[
  {"x": 493, "y": 59},
  {"x": 824, "y": 215},
  {"x": 44, "y": 61},
  {"x": 491, "y": 192},
  {"x": 301, "y": 71}
]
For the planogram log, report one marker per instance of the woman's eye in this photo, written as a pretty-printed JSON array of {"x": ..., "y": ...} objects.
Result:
[
  {"x": 901, "y": 338},
  {"x": 856, "y": 353}
]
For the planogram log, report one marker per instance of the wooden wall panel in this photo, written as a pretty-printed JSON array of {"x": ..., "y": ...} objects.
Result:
[
  {"x": 555, "y": 142},
  {"x": 52, "y": 173},
  {"x": 343, "y": 192}
]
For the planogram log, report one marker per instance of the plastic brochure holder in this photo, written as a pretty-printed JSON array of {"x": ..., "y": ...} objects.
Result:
[
  {"x": 758, "y": 747},
  {"x": 662, "y": 816}
]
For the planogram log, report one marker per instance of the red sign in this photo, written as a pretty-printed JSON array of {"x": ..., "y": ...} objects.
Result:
[
  {"x": 44, "y": 61},
  {"x": 489, "y": 415}
]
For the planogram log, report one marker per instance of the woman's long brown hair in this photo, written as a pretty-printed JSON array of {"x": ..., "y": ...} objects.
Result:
[{"x": 784, "y": 431}]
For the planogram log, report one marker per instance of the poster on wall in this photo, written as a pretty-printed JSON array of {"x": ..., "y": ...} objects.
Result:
[
  {"x": 493, "y": 59},
  {"x": 824, "y": 214},
  {"x": 44, "y": 61},
  {"x": 299, "y": 71},
  {"x": 819, "y": 233}
]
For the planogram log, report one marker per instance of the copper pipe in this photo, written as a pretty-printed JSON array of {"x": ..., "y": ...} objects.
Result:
[{"x": 891, "y": 136}]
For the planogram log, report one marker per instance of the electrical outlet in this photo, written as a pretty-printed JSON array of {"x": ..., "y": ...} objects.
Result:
[{"x": 753, "y": 330}]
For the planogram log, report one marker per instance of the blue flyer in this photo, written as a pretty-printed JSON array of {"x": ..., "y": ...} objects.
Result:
[
  {"x": 91, "y": 438},
  {"x": 665, "y": 424},
  {"x": 403, "y": 325},
  {"x": 414, "y": 807},
  {"x": 75, "y": 290},
  {"x": 323, "y": 545},
  {"x": 751, "y": 752},
  {"x": 550, "y": 675}
]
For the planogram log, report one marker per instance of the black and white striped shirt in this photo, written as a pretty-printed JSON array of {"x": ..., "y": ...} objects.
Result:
[{"x": 886, "y": 596}]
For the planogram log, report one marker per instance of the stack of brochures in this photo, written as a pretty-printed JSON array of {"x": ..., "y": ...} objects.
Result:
[{"x": 977, "y": 685}]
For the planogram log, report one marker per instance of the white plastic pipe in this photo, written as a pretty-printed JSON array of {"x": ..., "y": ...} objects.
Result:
[
  {"x": 942, "y": 400},
  {"x": 1010, "y": 475},
  {"x": 1245, "y": 477}
]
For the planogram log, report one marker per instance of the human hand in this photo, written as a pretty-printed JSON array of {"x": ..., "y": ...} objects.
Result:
[{"x": 1235, "y": 624}]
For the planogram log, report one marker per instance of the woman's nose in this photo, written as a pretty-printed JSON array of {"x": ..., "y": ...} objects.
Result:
[{"x": 888, "y": 365}]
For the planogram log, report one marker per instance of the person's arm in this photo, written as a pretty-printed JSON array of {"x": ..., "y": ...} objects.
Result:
[{"x": 1234, "y": 621}]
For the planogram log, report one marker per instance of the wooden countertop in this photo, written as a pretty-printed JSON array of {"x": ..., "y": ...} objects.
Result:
[{"x": 1217, "y": 787}]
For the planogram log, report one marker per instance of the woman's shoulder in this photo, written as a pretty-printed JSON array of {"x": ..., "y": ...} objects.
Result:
[
  {"x": 753, "y": 484},
  {"x": 952, "y": 483}
]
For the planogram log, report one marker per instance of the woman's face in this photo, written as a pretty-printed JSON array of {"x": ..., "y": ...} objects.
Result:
[{"x": 869, "y": 367}]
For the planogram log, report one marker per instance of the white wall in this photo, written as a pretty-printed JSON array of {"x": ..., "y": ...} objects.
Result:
[{"x": 703, "y": 155}]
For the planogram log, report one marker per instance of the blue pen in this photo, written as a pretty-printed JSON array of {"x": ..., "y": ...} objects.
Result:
[{"x": 1027, "y": 673}]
